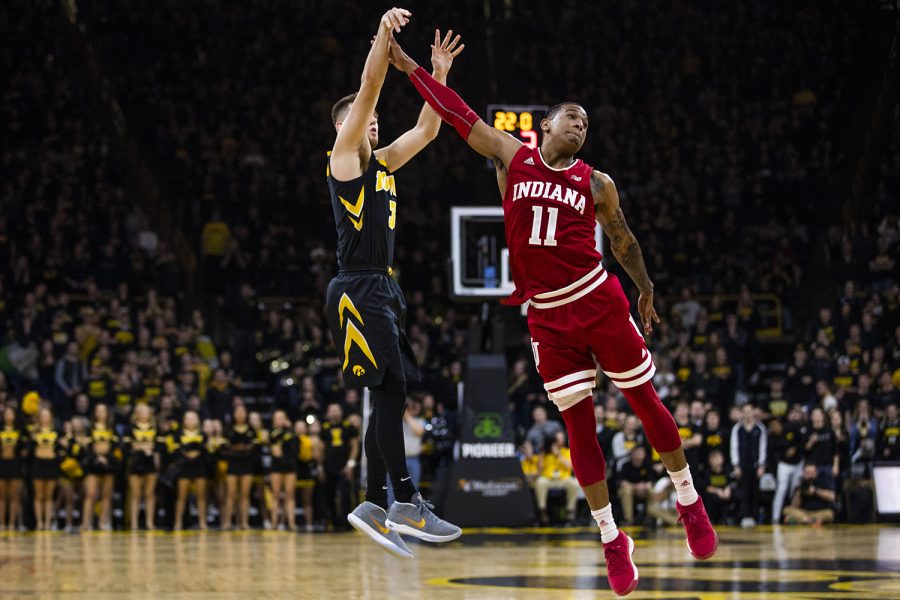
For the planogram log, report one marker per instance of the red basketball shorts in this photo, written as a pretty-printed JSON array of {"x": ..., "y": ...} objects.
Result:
[{"x": 580, "y": 327}]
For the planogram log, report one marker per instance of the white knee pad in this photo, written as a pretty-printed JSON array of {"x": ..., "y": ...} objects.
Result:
[{"x": 569, "y": 400}]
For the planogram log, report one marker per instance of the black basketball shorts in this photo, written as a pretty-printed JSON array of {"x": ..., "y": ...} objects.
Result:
[{"x": 367, "y": 315}]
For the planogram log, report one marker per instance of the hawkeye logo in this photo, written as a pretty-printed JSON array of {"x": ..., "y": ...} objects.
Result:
[
  {"x": 353, "y": 335},
  {"x": 355, "y": 210}
]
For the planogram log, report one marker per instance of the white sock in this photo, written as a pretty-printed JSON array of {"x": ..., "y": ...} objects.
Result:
[
  {"x": 604, "y": 518},
  {"x": 684, "y": 486}
]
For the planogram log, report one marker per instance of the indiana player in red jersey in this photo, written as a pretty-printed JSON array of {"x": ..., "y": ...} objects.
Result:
[{"x": 578, "y": 314}]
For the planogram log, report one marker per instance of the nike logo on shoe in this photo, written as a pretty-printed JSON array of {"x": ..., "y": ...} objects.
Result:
[
  {"x": 417, "y": 524},
  {"x": 406, "y": 478},
  {"x": 381, "y": 528}
]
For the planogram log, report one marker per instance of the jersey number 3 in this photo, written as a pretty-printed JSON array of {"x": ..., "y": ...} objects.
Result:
[
  {"x": 550, "y": 238},
  {"x": 392, "y": 218}
]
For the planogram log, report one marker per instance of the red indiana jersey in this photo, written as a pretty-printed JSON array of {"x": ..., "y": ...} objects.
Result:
[{"x": 549, "y": 218}]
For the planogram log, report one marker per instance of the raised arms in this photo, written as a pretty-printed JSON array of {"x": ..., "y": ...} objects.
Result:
[
  {"x": 413, "y": 141},
  {"x": 487, "y": 141},
  {"x": 346, "y": 162},
  {"x": 624, "y": 245}
]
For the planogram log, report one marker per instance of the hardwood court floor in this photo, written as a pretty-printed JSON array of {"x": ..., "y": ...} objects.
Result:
[{"x": 789, "y": 563}]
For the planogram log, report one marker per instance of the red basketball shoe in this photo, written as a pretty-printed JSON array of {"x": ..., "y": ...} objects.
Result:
[
  {"x": 702, "y": 540},
  {"x": 620, "y": 568}
]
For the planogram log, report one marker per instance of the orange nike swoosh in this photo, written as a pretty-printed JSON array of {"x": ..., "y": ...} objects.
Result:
[
  {"x": 383, "y": 530},
  {"x": 417, "y": 524}
]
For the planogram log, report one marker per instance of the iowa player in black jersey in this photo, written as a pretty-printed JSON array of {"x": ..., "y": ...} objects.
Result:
[{"x": 366, "y": 309}]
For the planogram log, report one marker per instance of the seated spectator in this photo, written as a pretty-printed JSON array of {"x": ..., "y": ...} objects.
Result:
[
  {"x": 530, "y": 461},
  {"x": 662, "y": 502},
  {"x": 542, "y": 429},
  {"x": 556, "y": 474},
  {"x": 623, "y": 441},
  {"x": 889, "y": 439},
  {"x": 813, "y": 502},
  {"x": 634, "y": 482},
  {"x": 716, "y": 486}
]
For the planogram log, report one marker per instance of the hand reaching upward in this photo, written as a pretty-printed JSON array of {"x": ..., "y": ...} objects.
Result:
[
  {"x": 444, "y": 51},
  {"x": 395, "y": 19}
]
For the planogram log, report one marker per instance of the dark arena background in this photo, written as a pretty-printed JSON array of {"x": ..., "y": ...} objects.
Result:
[{"x": 167, "y": 237}]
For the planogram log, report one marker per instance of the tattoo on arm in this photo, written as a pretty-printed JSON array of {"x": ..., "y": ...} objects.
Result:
[{"x": 624, "y": 245}]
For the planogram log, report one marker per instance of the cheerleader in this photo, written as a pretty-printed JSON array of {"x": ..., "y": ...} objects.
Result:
[
  {"x": 190, "y": 445},
  {"x": 101, "y": 461},
  {"x": 144, "y": 445},
  {"x": 307, "y": 448},
  {"x": 261, "y": 462},
  {"x": 46, "y": 450},
  {"x": 13, "y": 447},
  {"x": 217, "y": 465},
  {"x": 71, "y": 481},
  {"x": 284, "y": 448},
  {"x": 241, "y": 440}
]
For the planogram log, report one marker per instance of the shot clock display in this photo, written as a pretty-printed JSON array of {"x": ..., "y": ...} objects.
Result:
[{"x": 520, "y": 120}]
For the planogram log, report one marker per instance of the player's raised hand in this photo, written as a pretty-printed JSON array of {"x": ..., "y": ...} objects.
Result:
[
  {"x": 398, "y": 58},
  {"x": 444, "y": 51},
  {"x": 647, "y": 312},
  {"x": 395, "y": 19}
]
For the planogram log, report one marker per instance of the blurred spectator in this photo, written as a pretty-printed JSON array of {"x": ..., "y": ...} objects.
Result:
[
  {"x": 716, "y": 486},
  {"x": 787, "y": 442},
  {"x": 556, "y": 474},
  {"x": 634, "y": 482},
  {"x": 813, "y": 502},
  {"x": 542, "y": 429},
  {"x": 748, "y": 457}
]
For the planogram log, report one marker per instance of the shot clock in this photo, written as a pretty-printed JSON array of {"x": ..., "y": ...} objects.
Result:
[{"x": 522, "y": 121}]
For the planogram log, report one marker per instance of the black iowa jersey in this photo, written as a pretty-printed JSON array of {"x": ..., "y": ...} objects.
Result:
[
  {"x": 365, "y": 214},
  {"x": 365, "y": 307}
]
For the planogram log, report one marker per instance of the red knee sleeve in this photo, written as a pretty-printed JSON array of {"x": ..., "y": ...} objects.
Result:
[
  {"x": 657, "y": 420},
  {"x": 587, "y": 457},
  {"x": 445, "y": 102}
]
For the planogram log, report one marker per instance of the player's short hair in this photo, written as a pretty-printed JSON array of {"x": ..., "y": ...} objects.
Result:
[
  {"x": 558, "y": 107},
  {"x": 337, "y": 111}
]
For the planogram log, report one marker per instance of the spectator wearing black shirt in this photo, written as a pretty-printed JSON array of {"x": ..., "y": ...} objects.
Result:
[
  {"x": 788, "y": 447},
  {"x": 71, "y": 376},
  {"x": 813, "y": 502},
  {"x": 821, "y": 447},
  {"x": 776, "y": 404},
  {"x": 634, "y": 481},
  {"x": 605, "y": 435},
  {"x": 714, "y": 437},
  {"x": 801, "y": 385},
  {"x": 341, "y": 449},
  {"x": 624, "y": 441},
  {"x": 748, "y": 457},
  {"x": 691, "y": 439},
  {"x": 716, "y": 486},
  {"x": 889, "y": 440}
]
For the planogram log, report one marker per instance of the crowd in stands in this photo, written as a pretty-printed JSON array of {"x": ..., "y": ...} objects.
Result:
[{"x": 724, "y": 167}]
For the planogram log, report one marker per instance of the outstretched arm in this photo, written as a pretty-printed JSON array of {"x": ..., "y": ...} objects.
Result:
[
  {"x": 624, "y": 245},
  {"x": 345, "y": 161},
  {"x": 487, "y": 141},
  {"x": 414, "y": 141}
]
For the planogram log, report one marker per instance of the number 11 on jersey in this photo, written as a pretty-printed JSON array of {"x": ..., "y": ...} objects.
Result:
[{"x": 550, "y": 238}]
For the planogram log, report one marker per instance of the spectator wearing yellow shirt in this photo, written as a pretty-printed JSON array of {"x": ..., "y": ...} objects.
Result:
[
  {"x": 531, "y": 462},
  {"x": 555, "y": 474}
]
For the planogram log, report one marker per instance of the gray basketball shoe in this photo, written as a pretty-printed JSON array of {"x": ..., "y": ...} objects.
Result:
[
  {"x": 369, "y": 518},
  {"x": 417, "y": 520}
]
